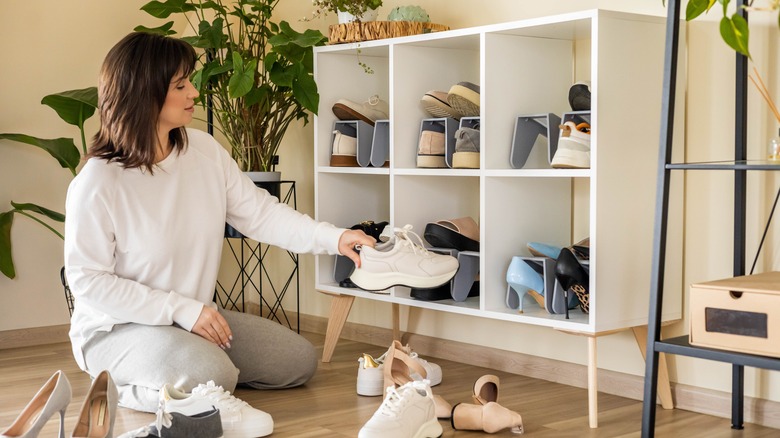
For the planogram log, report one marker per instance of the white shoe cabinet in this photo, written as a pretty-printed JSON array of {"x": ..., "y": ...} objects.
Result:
[{"x": 523, "y": 67}]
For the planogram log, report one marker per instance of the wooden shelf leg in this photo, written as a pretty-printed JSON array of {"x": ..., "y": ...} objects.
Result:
[
  {"x": 664, "y": 388},
  {"x": 396, "y": 322},
  {"x": 339, "y": 310},
  {"x": 593, "y": 390}
]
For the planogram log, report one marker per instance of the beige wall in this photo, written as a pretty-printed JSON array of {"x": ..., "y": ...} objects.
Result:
[{"x": 54, "y": 46}]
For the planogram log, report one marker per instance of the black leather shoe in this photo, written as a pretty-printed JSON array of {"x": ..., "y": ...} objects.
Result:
[{"x": 573, "y": 278}]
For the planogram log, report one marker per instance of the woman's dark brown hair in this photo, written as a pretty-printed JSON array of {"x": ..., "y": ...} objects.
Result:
[{"x": 132, "y": 87}]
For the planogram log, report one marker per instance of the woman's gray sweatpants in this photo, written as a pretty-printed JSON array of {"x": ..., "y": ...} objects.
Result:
[{"x": 142, "y": 358}]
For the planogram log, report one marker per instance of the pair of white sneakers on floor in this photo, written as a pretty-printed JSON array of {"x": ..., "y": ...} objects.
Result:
[
  {"x": 403, "y": 261},
  {"x": 208, "y": 412}
]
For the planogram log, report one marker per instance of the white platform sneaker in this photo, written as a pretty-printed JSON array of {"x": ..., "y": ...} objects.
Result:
[
  {"x": 406, "y": 412},
  {"x": 408, "y": 263},
  {"x": 573, "y": 147}
]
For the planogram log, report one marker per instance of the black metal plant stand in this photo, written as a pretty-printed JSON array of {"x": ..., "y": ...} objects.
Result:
[
  {"x": 740, "y": 166},
  {"x": 253, "y": 275}
]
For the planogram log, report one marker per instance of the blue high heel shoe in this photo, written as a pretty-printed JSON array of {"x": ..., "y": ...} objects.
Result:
[
  {"x": 523, "y": 279},
  {"x": 539, "y": 249}
]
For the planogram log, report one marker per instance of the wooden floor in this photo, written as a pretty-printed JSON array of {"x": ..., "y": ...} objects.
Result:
[{"x": 328, "y": 405}]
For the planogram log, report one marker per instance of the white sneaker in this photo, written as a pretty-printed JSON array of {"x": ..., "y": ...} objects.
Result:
[
  {"x": 239, "y": 420},
  {"x": 573, "y": 147},
  {"x": 407, "y": 263},
  {"x": 181, "y": 415},
  {"x": 370, "y": 377},
  {"x": 370, "y": 111},
  {"x": 406, "y": 412}
]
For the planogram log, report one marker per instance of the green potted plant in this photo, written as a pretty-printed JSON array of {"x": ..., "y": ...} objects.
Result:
[
  {"x": 733, "y": 29},
  {"x": 348, "y": 10},
  {"x": 257, "y": 76},
  {"x": 74, "y": 107}
]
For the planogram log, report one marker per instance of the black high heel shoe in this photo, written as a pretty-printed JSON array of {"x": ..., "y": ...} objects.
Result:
[{"x": 573, "y": 277}]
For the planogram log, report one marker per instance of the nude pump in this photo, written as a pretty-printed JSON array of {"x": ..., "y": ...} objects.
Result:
[
  {"x": 98, "y": 411},
  {"x": 486, "y": 389},
  {"x": 490, "y": 418},
  {"x": 54, "y": 396}
]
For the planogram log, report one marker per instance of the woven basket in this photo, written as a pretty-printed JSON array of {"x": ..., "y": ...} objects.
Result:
[{"x": 375, "y": 30}]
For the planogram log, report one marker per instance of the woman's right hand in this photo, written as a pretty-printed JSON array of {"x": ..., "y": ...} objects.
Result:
[{"x": 213, "y": 327}]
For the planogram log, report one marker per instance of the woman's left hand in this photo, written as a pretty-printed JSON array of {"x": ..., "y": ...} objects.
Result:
[{"x": 351, "y": 238}]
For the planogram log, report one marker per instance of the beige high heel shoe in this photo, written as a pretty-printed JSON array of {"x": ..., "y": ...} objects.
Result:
[
  {"x": 54, "y": 396},
  {"x": 399, "y": 368},
  {"x": 98, "y": 411},
  {"x": 486, "y": 389},
  {"x": 490, "y": 417}
]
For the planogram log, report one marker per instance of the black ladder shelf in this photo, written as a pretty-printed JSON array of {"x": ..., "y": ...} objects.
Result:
[{"x": 740, "y": 166}]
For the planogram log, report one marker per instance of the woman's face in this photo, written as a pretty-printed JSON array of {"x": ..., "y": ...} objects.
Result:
[{"x": 179, "y": 104}]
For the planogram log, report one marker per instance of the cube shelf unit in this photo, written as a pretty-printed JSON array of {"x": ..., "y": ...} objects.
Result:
[{"x": 523, "y": 67}]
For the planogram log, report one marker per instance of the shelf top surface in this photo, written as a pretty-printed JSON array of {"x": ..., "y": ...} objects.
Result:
[{"x": 567, "y": 26}]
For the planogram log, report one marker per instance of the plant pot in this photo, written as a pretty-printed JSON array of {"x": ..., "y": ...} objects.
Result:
[
  {"x": 267, "y": 180},
  {"x": 346, "y": 17},
  {"x": 270, "y": 181}
]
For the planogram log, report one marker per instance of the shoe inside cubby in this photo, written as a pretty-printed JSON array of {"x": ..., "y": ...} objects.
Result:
[
  {"x": 362, "y": 132},
  {"x": 445, "y": 125}
]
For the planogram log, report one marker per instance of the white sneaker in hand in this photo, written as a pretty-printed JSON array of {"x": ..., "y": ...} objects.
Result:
[{"x": 407, "y": 263}]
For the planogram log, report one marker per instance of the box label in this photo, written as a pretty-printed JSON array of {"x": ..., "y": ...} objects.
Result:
[{"x": 735, "y": 322}]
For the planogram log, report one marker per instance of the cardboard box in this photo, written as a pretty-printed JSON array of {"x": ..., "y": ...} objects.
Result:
[{"x": 739, "y": 314}]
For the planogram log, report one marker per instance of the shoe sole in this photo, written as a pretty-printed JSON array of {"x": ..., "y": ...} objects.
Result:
[
  {"x": 344, "y": 161},
  {"x": 343, "y": 112},
  {"x": 430, "y": 429},
  {"x": 465, "y": 160},
  {"x": 439, "y": 108},
  {"x": 370, "y": 382},
  {"x": 431, "y": 161},
  {"x": 464, "y": 100},
  {"x": 247, "y": 433},
  {"x": 442, "y": 237},
  {"x": 570, "y": 159},
  {"x": 382, "y": 281}
]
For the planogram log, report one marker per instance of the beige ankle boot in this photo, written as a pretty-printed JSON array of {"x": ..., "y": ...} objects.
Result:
[{"x": 490, "y": 418}]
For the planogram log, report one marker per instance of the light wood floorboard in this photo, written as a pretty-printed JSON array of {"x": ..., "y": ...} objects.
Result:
[{"x": 329, "y": 407}]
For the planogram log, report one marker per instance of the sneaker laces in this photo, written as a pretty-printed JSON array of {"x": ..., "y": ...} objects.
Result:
[
  {"x": 164, "y": 419},
  {"x": 396, "y": 398},
  {"x": 405, "y": 234},
  {"x": 223, "y": 399}
]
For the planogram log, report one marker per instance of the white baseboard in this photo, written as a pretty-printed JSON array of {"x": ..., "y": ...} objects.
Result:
[{"x": 690, "y": 398}]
